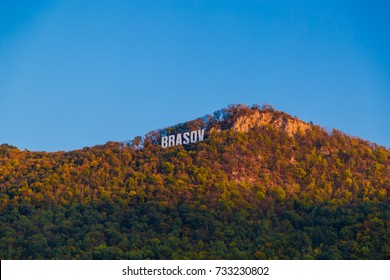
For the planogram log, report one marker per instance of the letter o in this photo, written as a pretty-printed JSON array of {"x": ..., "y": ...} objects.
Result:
[{"x": 194, "y": 136}]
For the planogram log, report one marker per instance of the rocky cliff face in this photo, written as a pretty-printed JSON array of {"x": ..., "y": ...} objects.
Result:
[
  {"x": 280, "y": 120},
  {"x": 239, "y": 118}
]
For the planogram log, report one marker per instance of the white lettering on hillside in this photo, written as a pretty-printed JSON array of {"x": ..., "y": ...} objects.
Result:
[{"x": 182, "y": 139}]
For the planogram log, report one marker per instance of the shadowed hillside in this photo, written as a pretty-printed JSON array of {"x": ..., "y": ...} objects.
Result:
[{"x": 262, "y": 185}]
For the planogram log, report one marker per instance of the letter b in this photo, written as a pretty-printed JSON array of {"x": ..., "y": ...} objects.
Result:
[{"x": 164, "y": 141}]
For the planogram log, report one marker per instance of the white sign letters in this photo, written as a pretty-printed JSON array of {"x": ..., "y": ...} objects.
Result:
[{"x": 182, "y": 139}]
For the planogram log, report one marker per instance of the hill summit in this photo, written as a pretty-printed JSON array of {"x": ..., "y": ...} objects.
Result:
[
  {"x": 261, "y": 185},
  {"x": 239, "y": 118}
]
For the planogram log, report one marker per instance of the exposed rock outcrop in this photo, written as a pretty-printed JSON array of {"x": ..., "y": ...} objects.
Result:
[{"x": 280, "y": 120}]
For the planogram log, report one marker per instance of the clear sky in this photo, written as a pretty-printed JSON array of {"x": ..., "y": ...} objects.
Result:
[{"x": 81, "y": 73}]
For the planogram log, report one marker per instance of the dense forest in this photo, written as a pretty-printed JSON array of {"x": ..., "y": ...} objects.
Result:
[{"x": 277, "y": 188}]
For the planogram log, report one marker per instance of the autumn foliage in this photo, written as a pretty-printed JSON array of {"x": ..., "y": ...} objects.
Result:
[{"x": 260, "y": 194}]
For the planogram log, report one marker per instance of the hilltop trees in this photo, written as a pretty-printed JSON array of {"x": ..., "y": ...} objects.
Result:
[{"x": 261, "y": 194}]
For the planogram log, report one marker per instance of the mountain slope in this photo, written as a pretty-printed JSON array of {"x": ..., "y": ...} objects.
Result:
[{"x": 261, "y": 185}]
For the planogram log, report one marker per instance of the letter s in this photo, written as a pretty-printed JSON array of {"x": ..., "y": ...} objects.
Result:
[{"x": 186, "y": 138}]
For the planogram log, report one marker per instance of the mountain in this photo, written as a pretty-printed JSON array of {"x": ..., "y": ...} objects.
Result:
[{"x": 261, "y": 185}]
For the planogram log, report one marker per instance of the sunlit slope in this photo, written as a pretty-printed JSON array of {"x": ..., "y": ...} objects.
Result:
[{"x": 261, "y": 185}]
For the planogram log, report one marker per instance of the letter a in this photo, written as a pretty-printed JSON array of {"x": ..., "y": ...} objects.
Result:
[{"x": 178, "y": 139}]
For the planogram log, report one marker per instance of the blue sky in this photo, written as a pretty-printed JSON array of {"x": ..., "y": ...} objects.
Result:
[{"x": 81, "y": 73}]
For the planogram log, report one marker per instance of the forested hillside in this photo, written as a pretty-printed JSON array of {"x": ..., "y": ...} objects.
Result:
[{"x": 262, "y": 185}]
